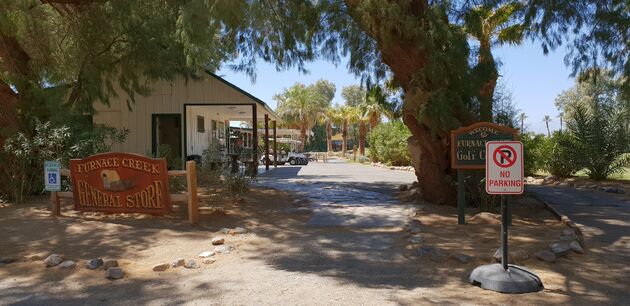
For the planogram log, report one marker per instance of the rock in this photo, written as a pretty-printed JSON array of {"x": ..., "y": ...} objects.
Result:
[
  {"x": 438, "y": 255},
  {"x": 208, "y": 261},
  {"x": 560, "y": 248},
  {"x": 519, "y": 255},
  {"x": 6, "y": 261},
  {"x": 161, "y": 267},
  {"x": 217, "y": 240},
  {"x": 53, "y": 260},
  {"x": 463, "y": 258},
  {"x": 568, "y": 238},
  {"x": 206, "y": 254},
  {"x": 110, "y": 264},
  {"x": 94, "y": 264},
  {"x": 576, "y": 247},
  {"x": 568, "y": 232},
  {"x": 416, "y": 240},
  {"x": 191, "y": 264},
  {"x": 545, "y": 256},
  {"x": 402, "y": 187},
  {"x": 238, "y": 230},
  {"x": 529, "y": 179},
  {"x": 298, "y": 210},
  {"x": 223, "y": 249},
  {"x": 68, "y": 264},
  {"x": 114, "y": 272},
  {"x": 178, "y": 262},
  {"x": 225, "y": 230},
  {"x": 498, "y": 255}
]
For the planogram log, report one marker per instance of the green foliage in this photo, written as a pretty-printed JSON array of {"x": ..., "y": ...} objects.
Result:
[
  {"x": 317, "y": 142},
  {"x": 24, "y": 155},
  {"x": 558, "y": 155},
  {"x": 353, "y": 95},
  {"x": 388, "y": 144},
  {"x": 534, "y": 152},
  {"x": 216, "y": 171}
]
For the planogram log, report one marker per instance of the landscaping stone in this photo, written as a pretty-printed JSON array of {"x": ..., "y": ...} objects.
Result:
[
  {"x": 191, "y": 264},
  {"x": 560, "y": 248},
  {"x": 68, "y": 264},
  {"x": 225, "y": 230},
  {"x": 223, "y": 249},
  {"x": 217, "y": 240},
  {"x": 416, "y": 240},
  {"x": 403, "y": 187},
  {"x": 576, "y": 247},
  {"x": 114, "y": 273},
  {"x": 110, "y": 264},
  {"x": 421, "y": 251},
  {"x": 94, "y": 264},
  {"x": 208, "y": 261},
  {"x": 206, "y": 254},
  {"x": 545, "y": 256},
  {"x": 161, "y": 267},
  {"x": 238, "y": 230},
  {"x": 178, "y": 262},
  {"x": 53, "y": 260},
  {"x": 463, "y": 258}
]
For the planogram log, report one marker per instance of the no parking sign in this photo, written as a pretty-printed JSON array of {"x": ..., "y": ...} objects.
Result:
[{"x": 504, "y": 167}]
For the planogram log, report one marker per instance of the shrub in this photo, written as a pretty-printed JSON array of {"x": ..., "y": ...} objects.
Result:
[
  {"x": 558, "y": 155},
  {"x": 388, "y": 144},
  {"x": 24, "y": 155},
  {"x": 216, "y": 170},
  {"x": 533, "y": 153},
  {"x": 599, "y": 136}
]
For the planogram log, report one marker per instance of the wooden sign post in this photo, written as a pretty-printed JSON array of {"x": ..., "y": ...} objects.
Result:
[{"x": 468, "y": 151}]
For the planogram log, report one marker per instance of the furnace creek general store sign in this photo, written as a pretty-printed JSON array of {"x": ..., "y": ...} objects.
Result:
[{"x": 120, "y": 183}]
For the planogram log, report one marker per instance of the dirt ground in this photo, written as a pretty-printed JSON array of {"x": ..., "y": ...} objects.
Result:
[{"x": 282, "y": 261}]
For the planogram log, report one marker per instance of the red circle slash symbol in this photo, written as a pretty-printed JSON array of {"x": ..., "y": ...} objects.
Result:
[{"x": 504, "y": 156}]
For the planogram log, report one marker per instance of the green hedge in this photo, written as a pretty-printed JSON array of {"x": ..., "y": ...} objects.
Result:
[{"x": 388, "y": 144}]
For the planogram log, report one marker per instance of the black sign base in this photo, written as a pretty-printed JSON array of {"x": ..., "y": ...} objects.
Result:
[{"x": 513, "y": 280}]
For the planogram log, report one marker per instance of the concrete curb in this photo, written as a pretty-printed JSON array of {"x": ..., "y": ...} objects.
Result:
[{"x": 562, "y": 217}]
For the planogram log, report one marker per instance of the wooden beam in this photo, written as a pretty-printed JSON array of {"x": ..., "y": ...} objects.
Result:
[
  {"x": 191, "y": 178},
  {"x": 275, "y": 146},
  {"x": 55, "y": 205},
  {"x": 255, "y": 142},
  {"x": 177, "y": 173},
  {"x": 266, "y": 142}
]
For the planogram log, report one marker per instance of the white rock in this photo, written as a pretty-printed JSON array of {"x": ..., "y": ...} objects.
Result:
[
  {"x": 178, "y": 262},
  {"x": 68, "y": 264},
  {"x": 208, "y": 261},
  {"x": 191, "y": 264},
  {"x": 94, "y": 264},
  {"x": 239, "y": 230},
  {"x": 207, "y": 254},
  {"x": 114, "y": 273},
  {"x": 223, "y": 249},
  {"x": 225, "y": 230},
  {"x": 53, "y": 260}
]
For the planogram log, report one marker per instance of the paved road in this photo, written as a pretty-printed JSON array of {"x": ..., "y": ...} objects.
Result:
[
  {"x": 603, "y": 217},
  {"x": 344, "y": 194}
]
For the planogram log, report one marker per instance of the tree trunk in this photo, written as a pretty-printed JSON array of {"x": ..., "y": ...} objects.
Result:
[
  {"x": 329, "y": 147},
  {"x": 344, "y": 137},
  {"x": 374, "y": 117},
  {"x": 548, "y": 132},
  {"x": 362, "y": 136},
  {"x": 303, "y": 135},
  {"x": 486, "y": 92}
]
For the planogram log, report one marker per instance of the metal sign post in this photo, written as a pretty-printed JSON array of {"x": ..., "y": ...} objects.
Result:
[{"x": 504, "y": 176}]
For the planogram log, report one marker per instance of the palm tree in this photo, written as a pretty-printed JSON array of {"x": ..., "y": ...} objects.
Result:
[
  {"x": 347, "y": 115},
  {"x": 522, "y": 117},
  {"x": 560, "y": 115},
  {"x": 547, "y": 119},
  {"x": 328, "y": 117},
  {"x": 299, "y": 106},
  {"x": 491, "y": 27}
]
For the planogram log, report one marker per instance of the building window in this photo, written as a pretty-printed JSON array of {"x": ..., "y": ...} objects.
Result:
[{"x": 201, "y": 126}]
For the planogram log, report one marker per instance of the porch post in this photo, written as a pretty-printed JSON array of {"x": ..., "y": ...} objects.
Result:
[
  {"x": 255, "y": 140},
  {"x": 275, "y": 146},
  {"x": 266, "y": 142}
]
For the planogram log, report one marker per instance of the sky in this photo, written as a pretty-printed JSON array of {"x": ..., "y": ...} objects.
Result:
[{"x": 534, "y": 79}]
